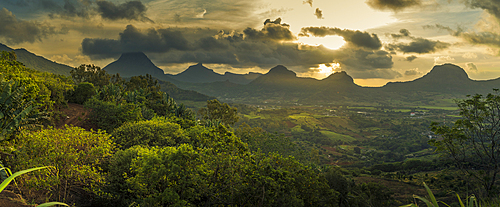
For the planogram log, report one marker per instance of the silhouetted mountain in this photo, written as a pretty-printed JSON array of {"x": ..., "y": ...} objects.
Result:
[
  {"x": 198, "y": 74},
  {"x": 241, "y": 78},
  {"x": 36, "y": 62},
  {"x": 447, "y": 78},
  {"x": 283, "y": 86},
  {"x": 134, "y": 64},
  {"x": 201, "y": 74}
]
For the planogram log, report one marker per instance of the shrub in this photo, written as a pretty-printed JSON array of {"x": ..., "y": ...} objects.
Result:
[
  {"x": 76, "y": 155},
  {"x": 82, "y": 92},
  {"x": 109, "y": 115},
  {"x": 155, "y": 132}
]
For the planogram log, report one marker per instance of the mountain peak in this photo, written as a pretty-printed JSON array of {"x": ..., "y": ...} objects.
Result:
[
  {"x": 281, "y": 70},
  {"x": 133, "y": 64},
  {"x": 341, "y": 76}
]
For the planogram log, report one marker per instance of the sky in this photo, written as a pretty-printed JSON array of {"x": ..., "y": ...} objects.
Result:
[{"x": 374, "y": 41}]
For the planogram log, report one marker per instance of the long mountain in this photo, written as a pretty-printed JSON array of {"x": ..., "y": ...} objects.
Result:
[{"x": 36, "y": 62}]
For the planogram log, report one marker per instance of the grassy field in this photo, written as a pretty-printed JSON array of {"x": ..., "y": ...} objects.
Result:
[{"x": 336, "y": 136}]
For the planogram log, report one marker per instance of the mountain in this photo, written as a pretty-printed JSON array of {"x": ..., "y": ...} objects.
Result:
[
  {"x": 198, "y": 74},
  {"x": 39, "y": 63},
  {"x": 283, "y": 86},
  {"x": 201, "y": 74},
  {"x": 447, "y": 78},
  {"x": 134, "y": 64}
]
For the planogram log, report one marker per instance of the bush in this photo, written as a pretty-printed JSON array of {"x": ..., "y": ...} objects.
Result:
[
  {"x": 82, "y": 92},
  {"x": 155, "y": 132},
  {"x": 76, "y": 155},
  {"x": 109, "y": 115}
]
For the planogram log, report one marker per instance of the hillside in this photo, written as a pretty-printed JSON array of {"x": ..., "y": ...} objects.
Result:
[{"x": 39, "y": 63}]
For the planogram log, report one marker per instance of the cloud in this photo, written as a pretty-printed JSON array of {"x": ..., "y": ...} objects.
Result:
[
  {"x": 477, "y": 38},
  {"x": 273, "y": 30},
  {"x": 67, "y": 8},
  {"x": 417, "y": 45},
  {"x": 18, "y": 31},
  {"x": 442, "y": 60},
  {"x": 403, "y": 33},
  {"x": 470, "y": 55},
  {"x": 134, "y": 40},
  {"x": 354, "y": 37},
  {"x": 310, "y": 2},
  {"x": 413, "y": 72},
  {"x": 266, "y": 47},
  {"x": 471, "y": 67},
  {"x": 318, "y": 13},
  {"x": 61, "y": 58},
  {"x": 131, "y": 10},
  {"x": 490, "y": 6},
  {"x": 393, "y": 5},
  {"x": 411, "y": 58}
]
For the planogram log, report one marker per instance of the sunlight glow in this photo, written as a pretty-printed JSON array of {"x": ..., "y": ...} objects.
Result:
[
  {"x": 324, "y": 70},
  {"x": 330, "y": 42}
]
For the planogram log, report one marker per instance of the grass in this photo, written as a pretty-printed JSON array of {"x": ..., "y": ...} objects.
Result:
[
  {"x": 333, "y": 135},
  {"x": 7, "y": 181},
  {"x": 448, "y": 108}
]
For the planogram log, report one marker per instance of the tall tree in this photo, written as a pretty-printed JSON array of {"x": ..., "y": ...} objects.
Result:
[
  {"x": 219, "y": 112},
  {"x": 473, "y": 142}
]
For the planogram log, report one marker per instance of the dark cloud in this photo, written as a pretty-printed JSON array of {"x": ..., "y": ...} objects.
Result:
[
  {"x": 419, "y": 45},
  {"x": 310, "y": 2},
  {"x": 490, "y": 6},
  {"x": 318, "y": 13},
  {"x": 177, "y": 18},
  {"x": 18, "y": 31},
  {"x": 132, "y": 10},
  {"x": 411, "y": 58},
  {"x": 265, "y": 48},
  {"x": 273, "y": 30},
  {"x": 356, "y": 38},
  {"x": 472, "y": 67},
  {"x": 68, "y": 8},
  {"x": 393, "y": 5},
  {"x": 134, "y": 40},
  {"x": 403, "y": 33}
]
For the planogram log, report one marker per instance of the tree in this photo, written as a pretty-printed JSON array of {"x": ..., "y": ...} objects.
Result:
[
  {"x": 92, "y": 74},
  {"x": 15, "y": 112},
  {"x": 473, "y": 142},
  {"x": 217, "y": 111}
]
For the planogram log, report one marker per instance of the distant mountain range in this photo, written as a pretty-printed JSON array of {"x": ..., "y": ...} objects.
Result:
[
  {"x": 137, "y": 63},
  {"x": 281, "y": 85},
  {"x": 39, "y": 63}
]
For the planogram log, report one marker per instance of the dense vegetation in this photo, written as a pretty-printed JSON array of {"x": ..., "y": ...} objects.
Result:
[{"x": 141, "y": 148}]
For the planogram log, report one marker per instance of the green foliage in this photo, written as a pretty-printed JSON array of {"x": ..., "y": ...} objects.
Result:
[
  {"x": 6, "y": 182},
  {"x": 92, "y": 74},
  {"x": 472, "y": 141},
  {"x": 15, "y": 111},
  {"x": 44, "y": 88},
  {"x": 471, "y": 201},
  {"x": 82, "y": 92},
  {"x": 110, "y": 115},
  {"x": 155, "y": 132},
  {"x": 217, "y": 111},
  {"x": 76, "y": 155}
]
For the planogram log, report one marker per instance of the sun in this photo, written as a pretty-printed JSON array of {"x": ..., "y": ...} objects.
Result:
[{"x": 324, "y": 70}]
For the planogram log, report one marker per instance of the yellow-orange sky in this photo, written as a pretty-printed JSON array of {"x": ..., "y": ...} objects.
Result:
[{"x": 374, "y": 41}]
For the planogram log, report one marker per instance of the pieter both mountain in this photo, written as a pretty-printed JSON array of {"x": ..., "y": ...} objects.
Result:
[{"x": 448, "y": 81}]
